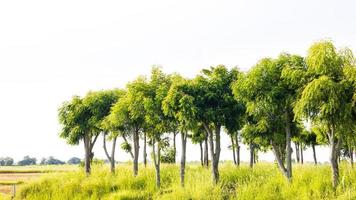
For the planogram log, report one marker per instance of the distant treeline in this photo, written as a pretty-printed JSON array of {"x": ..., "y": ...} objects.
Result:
[{"x": 27, "y": 160}]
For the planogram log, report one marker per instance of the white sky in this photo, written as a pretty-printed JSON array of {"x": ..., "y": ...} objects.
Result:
[{"x": 51, "y": 50}]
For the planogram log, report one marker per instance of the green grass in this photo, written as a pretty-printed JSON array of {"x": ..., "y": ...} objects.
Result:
[{"x": 264, "y": 181}]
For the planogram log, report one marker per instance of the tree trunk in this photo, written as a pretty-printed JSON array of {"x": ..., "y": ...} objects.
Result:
[
  {"x": 296, "y": 144},
  {"x": 157, "y": 161},
  {"x": 144, "y": 149},
  {"x": 314, "y": 154},
  {"x": 215, "y": 153},
  {"x": 174, "y": 147},
  {"x": 112, "y": 157},
  {"x": 182, "y": 162},
  {"x": 351, "y": 152},
  {"x": 206, "y": 153},
  {"x": 334, "y": 155},
  {"x": 87, "y": 154},
  {"x": 251, "y": 155},
  {"x": 201, "y": 153},
  {"x": 237, "y": 150},
  {"x": 136, "y": 141},
  {"x": 278, "y": 158},
  {"x": 301, "y": 154},
  {"x": 254, "y": 156},
  {"x": 233, "y": 148},
  {"x": 288, "y": 146}
]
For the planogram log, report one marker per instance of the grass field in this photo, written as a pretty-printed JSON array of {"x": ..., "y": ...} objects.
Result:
[
  {"x": 262, "y": 182},
  {"x": 19, "y": 175}
]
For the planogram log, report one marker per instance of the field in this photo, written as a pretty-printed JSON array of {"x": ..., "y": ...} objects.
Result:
[
  {"x": 264, "y": 181},
  {"x": 19, "y": 175}
]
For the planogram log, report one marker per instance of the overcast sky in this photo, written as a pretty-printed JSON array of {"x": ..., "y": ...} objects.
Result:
[{"x": 52, "y": 50}]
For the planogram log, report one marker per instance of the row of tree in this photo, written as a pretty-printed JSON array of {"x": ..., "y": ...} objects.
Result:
[
  {"x": 27, "y": 160},
  {"x": 307, "y": 100}
]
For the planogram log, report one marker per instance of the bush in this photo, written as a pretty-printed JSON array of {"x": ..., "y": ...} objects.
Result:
[{"x": 168, "y": 156}]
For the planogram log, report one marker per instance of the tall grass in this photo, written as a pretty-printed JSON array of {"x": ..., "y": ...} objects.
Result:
[{"x": 264, "y": 181}]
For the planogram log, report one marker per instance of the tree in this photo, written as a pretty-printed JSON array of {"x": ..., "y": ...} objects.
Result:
[
  {"x": 179, "y": 104},
  {"x": 74, "y": 161},
  {"x": 82, "y": 118},
  {"x": 326, "y": 98},
  {"x": 7, "y": 161},
  {"x": 157, "y": 123},
  {"x": 269, "y": 93},
  {"x": 51, "y": 161},
  {"x": 27, "y": 160},
  {"x": 128, "y": 118}
]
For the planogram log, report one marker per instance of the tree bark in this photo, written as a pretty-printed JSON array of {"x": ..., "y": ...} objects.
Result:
[
  {"x": 296, "y": 144},
  {"x": 201, "y": 154},
  {"x": 112, "y": 157},
  {"x": 87, "y": 154},
  {"x": 288, "y": 146},
  {"x": 314, "y": 154},
  {"x": 251, "y": 155},
  {"x": 136, "y": 141},
  {"x": 233, "y": 148},
  {"x": 237, "y": 150},
  {"x": 144, "y": 149},
  {"x": 351, "y": 152},
  {"x": 206, "y": 152},
  {"x": 174, "y": 146},
  {"x": 334, "y": 155},
  {"x": 182, "y": 162},
  {"x": 278, "y": 158},
  {"x": 301, "y": 154},
  {"x": 157, "y": 162},
  {"x": 215, "y": 153}
]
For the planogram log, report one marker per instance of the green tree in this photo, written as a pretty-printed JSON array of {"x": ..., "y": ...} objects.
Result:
[
  {"x": 180, "y": 105},
  {"x": 327, "y": 96},
  {"x": 82, "y": 118},
  {"x": 157, "y": 123},
  {"x": 269, "y": 94}
]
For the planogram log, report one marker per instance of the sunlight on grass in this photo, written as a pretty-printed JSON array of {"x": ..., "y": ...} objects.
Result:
[{"x": 264, "y": 181}]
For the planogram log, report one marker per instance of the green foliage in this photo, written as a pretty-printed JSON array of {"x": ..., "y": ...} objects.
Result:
[
  {"x": 262, "y": 182},
  {"x": 168, "y": 155}
]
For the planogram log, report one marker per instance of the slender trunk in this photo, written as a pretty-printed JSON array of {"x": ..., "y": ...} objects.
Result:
[
  {"x": 130, "y": 151},
  {"x": 237, "y": 150},
  {"x": 233, "y": 148},
  {"x": 206, "y": 153},
  {"x": 144, "y": 149},
  {"x": 156, "y": 160},
  {"x": 136, "y": 140},
  {"x": 201, "y": 153},
  {"x": 334, "y": 155},
  {"x": 215, "y": 153},
  {"x": 112, "y": 157},
  {"x": 278, "y": 158},
  {"x": 351, "y": 152},
  {"x": 296, "y": 144},
  {"x": 87, "y": 154},
  {"x": 288, "y": 146},
  {"x": 314, "y": 154},
  {"x": 182, "y": 162},
  {"x": 251, "y": 155},
  {"x": 301, "y": 154},
  {"x": 254, "y": 156},
  {"x": 174, "y": 147}
]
